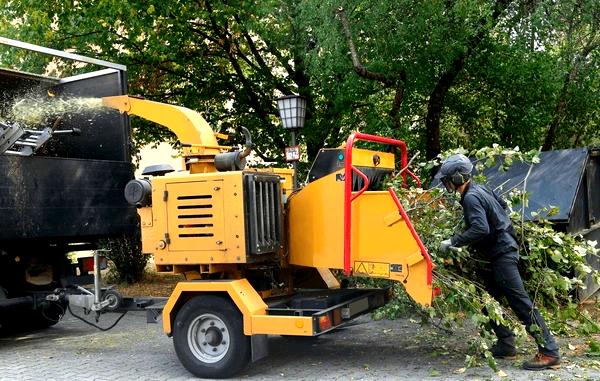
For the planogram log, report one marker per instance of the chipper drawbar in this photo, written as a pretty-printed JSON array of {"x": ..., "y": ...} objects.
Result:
[{"x": 258, "y": 255}]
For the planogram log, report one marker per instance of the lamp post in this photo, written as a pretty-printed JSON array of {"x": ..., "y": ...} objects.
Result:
[{"x": 292, "y": 111}]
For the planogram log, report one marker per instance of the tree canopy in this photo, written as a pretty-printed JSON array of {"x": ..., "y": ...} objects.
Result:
[{"x": 437, "y": 74}]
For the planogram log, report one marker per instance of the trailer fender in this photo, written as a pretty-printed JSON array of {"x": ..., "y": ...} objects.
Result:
[{"x": 245, "y": 297}]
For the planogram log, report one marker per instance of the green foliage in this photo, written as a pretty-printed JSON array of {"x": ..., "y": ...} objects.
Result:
[
  {"x": 537, "y": 65},
  {"x": 227, "y": 61},
  {"x": 126, "y": 255},
  {"x": 594, "y": 348}
]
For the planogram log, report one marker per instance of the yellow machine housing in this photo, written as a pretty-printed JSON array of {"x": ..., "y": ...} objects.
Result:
[
  {"x": 198, "y": 140},
  {"x": 213, "y": 218},
  {"x": 201, "y": 222}
]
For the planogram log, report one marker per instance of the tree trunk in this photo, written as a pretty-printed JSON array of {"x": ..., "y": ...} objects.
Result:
[{"x": 435, "y": 105}]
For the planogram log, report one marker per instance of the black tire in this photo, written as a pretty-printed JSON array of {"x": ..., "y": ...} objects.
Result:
[
  {"x": 115, "y": 298},
  {"x": 209, "y": 339},
  {"x": 25, "y": 320},
  {"x": 47, "y": 315}
]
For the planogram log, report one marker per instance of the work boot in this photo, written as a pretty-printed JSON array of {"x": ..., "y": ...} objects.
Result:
[
  {"x": 542, "y": 361},
  {"x": 502, "y": 350}
]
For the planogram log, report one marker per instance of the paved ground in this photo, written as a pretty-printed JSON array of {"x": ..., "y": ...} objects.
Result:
[{"x": 380, "y": 350}]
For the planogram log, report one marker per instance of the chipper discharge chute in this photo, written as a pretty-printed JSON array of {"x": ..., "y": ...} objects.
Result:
[{"x": 257, "y": 255}]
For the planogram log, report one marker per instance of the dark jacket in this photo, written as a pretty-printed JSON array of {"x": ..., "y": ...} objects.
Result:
[{"x": 489, "y": 229}]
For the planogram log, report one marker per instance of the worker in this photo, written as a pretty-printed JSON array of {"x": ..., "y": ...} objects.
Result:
[{"x": 489, "y": 231}]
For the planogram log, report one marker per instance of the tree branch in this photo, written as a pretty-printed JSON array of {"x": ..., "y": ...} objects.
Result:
[
  {"x": 561, "y": 106},
  {"x": 253, "y": 99},
  {"x": 359, "y": 68},
  {"x": 398, "y": 100},
  {"x": 259, "y": 59},
  {"x": 282, "y": 61},
  {"x": 263, "y": 156}
]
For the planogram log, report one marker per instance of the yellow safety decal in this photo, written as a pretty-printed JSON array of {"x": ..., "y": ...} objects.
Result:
[{"x": 375, "y": 269}]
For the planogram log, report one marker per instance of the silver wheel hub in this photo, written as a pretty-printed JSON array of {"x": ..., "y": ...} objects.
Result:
[
  {"x": 208, "y": 338},
  {"x": 113, "y": 302}
]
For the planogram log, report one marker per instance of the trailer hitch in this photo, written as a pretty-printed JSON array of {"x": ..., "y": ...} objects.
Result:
[{"x": 100, "y": 300}]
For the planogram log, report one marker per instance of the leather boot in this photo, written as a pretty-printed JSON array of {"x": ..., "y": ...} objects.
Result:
[{"x": 542, "y": 361}]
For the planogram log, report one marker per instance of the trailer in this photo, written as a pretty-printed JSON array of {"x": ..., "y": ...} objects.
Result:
[{"x": 259, "y": 255}]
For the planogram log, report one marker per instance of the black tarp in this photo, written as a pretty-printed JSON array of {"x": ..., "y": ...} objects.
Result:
[{"x": 554, "y": 181}]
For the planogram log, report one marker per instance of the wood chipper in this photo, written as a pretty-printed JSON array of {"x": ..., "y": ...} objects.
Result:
[{"x": 258, "y": 255}]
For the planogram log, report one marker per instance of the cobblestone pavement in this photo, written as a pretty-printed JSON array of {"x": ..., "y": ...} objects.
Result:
[{"x": 367, "y": 350}]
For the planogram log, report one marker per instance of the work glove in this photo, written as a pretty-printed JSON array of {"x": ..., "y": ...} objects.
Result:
[{"x": 445, "y": 245}]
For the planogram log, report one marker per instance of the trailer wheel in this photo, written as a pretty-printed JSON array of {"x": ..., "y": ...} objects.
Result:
[
  {"x": 114, "y": 297},
  {"x": 209, "y": 339}
]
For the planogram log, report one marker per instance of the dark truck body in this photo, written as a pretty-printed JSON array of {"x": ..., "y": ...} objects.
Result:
[{"x": 69, "y": 194}]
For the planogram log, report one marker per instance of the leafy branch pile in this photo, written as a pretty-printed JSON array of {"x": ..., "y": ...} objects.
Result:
[{"x": 553, "y": 264}]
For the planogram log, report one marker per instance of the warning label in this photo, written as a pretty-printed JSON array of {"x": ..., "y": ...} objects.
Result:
[{"x": 374, "y": 269}]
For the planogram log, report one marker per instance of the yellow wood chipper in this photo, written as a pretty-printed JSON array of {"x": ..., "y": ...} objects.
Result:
[{"x": 258, "y": 255}]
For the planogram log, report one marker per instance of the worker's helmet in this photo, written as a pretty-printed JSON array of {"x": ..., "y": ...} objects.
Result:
[{"x": 455, "y": 171}]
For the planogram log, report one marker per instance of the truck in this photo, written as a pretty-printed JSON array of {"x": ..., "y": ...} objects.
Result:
[
  {"x": 61, "y": 186},
  {"x": 260, "y": 256}
]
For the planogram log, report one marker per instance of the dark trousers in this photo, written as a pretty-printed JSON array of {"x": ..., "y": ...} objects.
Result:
[{"x": 503, "y": 280}]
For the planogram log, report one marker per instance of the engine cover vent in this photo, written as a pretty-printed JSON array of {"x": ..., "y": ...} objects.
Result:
[{"x": 263, "y": 211}]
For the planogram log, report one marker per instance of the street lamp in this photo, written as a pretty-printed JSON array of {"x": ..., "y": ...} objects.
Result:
[{"x": 292, "y": 110}]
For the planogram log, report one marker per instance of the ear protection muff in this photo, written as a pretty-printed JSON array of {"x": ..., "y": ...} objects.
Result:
[{"x": 458, "y": 178}]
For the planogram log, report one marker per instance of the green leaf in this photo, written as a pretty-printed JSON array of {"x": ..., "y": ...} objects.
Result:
[{"x": 556, "y": 255}]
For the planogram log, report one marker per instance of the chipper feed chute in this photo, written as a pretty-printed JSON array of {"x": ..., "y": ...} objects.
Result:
[{"x": 335, "y": 224}]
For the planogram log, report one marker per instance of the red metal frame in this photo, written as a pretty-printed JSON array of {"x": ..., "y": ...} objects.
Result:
[
  {"x": 349, "y": 168},
  {"x": 410, "y": 226}
]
